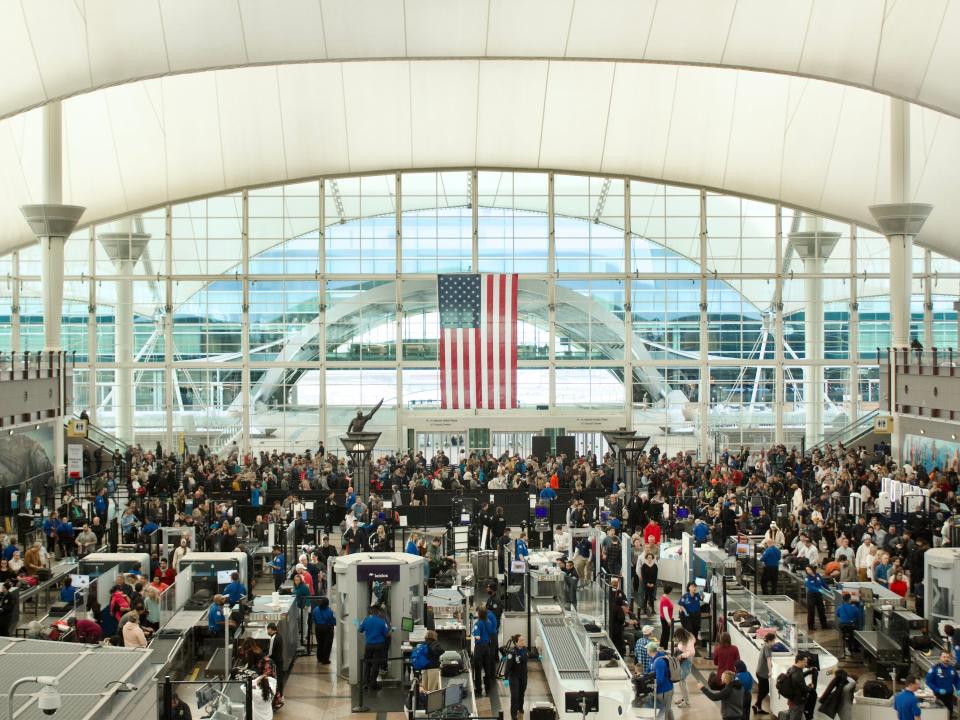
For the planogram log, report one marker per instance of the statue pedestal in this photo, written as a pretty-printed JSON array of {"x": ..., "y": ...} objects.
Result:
[{"x": 359, "y": 445}]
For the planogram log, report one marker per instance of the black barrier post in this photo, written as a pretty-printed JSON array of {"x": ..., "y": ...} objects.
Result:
[
  {"x": 248, "y": 699},
  {"x": 168, "y": 699}
]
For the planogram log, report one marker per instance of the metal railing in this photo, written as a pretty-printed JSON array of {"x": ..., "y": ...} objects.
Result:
[
  {"x": 50, "y": 360},
  {"x": 926, "y": 362},
  {"x": 847, "y": 434}
]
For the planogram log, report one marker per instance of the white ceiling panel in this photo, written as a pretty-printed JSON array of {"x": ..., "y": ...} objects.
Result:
[
  {"x": 314, "y": 125},
  {"x": 58, "y": 43},
  {"x": 444, "y": 124},
  {"x": 510, "y": 113},
  {"x": 591, "y": 27},
  {"x": 124, "y": 39},
  {"x": 528, "y": 28},
  {"x": 690, "y": 30},
  {"x": 363, "y": 28},
  {"x": 377, "y": 99},
  {"x": 272, "y": 36},
  {"x": 448, "y": 28},
  {"x": 575, "y": 114},
  {"x": 197, "y": 33}
]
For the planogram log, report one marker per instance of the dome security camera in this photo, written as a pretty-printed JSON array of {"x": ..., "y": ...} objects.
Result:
[{"x": 49, "y": 699}]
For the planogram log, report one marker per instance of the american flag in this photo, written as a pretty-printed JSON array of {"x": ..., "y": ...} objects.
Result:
[{"x": 478, "y": 341}]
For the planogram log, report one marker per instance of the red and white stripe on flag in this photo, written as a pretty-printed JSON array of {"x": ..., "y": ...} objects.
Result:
[{"x": 478, "y": 365}]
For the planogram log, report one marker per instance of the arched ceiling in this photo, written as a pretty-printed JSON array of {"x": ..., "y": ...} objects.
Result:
[
  {"x": 61, "y": 48},
  {"x": 715, "y": 93}
]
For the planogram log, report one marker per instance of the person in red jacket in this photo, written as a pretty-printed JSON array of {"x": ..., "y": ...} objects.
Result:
[
  {"x": 725, "y": 655},
  {"x": 652, "y": 530}
]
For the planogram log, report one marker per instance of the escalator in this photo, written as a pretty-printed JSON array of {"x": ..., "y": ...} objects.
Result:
[{"x": 850, "y": 435}]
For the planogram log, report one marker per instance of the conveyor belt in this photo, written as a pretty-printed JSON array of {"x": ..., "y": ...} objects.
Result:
[{"x": 567, "y": 658}]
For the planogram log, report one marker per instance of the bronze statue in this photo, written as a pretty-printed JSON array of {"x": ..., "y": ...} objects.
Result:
[{"x": 356, "y": 425}]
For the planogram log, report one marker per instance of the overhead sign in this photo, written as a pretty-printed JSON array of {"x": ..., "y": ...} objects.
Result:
[
  {"x": 883, "y": 425},
  {"x": 77, "y": 428},
  {"x": 75, "y": 461},
  {"x": 382, "y": 573}
]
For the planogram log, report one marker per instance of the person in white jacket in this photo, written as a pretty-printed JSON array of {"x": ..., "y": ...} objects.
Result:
[
  {"x": 686, "y": 645},
  {"x": 866, "y": 556},
  {"x": 264, "y": 688},
  {"x": 775, "y": 535}
]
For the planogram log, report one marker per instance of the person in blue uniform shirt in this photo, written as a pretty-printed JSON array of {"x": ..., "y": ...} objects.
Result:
[
  {"x": 481, "y": 653},
  {"x": 521, "y": 547},
  {"x": 377, "y": 633},
  {"x": 690, "y": 608},
  {"x": 944, "y": 680},
  {"x": 325, "y": 624},
  {"x": 279, "y": 567},
  {"x": 493, "y": 626},
  {"x": 548, "y": 493},
  {"x": 849, "y": 619},
  {"x": 815, "y": 586},
  {"x": 216, "y": 620},
  {"x": 701, "y": 531},
  {"x": 905, "y": 703},
  {"x": 235, "y": 590},
  {"x": 67, "y": 592},
  {"x": 516, "y": 675},
  {"x": 770, "y": 574}
]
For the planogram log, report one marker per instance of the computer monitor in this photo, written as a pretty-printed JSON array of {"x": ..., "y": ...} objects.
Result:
[
  {"x": 743, "y": 549},
  {"x": 581, "y": 701},
  {"x": 406, "y": 624},
  {"x": 223, "y": 577},
  {"x": 540, "y": 512},
  {"x": 701, "y": 582},
  {"x": 452, "y": 695},
  {"x": 755, "y": 511},
  {"x": 435, "y": 701},
  {"x": 80, "y": 582},
  {"x": 682, "y": 513}
]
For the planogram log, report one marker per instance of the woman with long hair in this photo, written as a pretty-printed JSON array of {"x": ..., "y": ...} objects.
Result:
[
  {"x": 686, "y": 645},
  {"x": 264, "y": 692}
]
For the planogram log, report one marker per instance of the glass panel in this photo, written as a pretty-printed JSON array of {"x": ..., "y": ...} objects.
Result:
[
  {"x": 207, "y": 235},
  {"x": 361, "y": 231},
  {"x": 665, "y": 316},
  {"x": 736, "y": 326},
  {"x": 208, "y": 324},
  {"x": 283, "y": 229},
  {"x": 512, "y": 222},
  {"x": 590, "y": 387},
  {"x": 665, "y": 228},
  {"x": 437, "y": 223},
  {"x": 590, "y": 317},
  {"x": 588, "y": 224},
  {"x": 361, "y": 320},
  {"x": 284, "y": 320},
  {"x": 741, "y": 235}
]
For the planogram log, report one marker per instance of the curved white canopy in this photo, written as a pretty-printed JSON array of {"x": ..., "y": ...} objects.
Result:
[
  {"x": 812, "y": 144},
  {"x": 59, "y": 48}
]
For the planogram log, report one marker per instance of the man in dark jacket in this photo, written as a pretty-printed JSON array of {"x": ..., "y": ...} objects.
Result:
[{"x": 730, "y": 696}]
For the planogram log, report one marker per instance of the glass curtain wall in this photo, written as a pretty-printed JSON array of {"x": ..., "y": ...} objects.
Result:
[{"x": 265, "y": 317}]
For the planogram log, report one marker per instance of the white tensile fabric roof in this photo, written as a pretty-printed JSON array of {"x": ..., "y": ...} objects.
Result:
[{"x": 787, "y": 101}]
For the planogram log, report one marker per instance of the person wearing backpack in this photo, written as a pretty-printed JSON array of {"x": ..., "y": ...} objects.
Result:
[
  {"x": 666, "y": 671},
  {"x": 730, "y": 696},
  {"x": 792, "y": 686}
]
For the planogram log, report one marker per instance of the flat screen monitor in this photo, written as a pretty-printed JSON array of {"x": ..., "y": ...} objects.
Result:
[
  {"x": 682, "y": 513},
  {"x": 581, "y": 701},
  {"x": 223, "y": 577},
  {"x": 701, "y": 582},
  {"x": 540, "y": 512},
  {"x": 80, "y": 582},
  {"x": 452, "y": 695},
  {"x": 743, "y": 549},
  {"x": 755, "y": 511},
  {"x": 406, "y": 624},
  {"x": 381, "y": 516},
  {"x": 435, "y": 701}
]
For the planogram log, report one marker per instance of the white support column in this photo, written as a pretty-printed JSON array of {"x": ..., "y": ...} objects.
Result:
[
  {"x": 15, "y": 303},
  {"x": 475, "y": 220},
  {"x": 779, "y": 390},
  {"x": 628, "y": 313},
  {"x": 169, "y": 387},
  {"x": 900, "y": 220},
  {"x": 245, "y": 389},
  {"x": 854, "y": 330},
  {"x": 322, "y": 319},
  {"x": 124, "y": 246},
  {"x": 398, "y": 322},
  {"x": 51, "y": 223},
  {"x": 90, "y": 401},
  {"x": 813, "y": 247},
  {"x": 551, "y": 296},
  {"x": 704, "y": 400},
  {"x": 927, "y": 299}
]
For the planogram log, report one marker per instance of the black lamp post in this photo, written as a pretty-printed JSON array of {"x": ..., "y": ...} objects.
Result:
[
  {"x": 618, "y": 439},
  {"x": 359, "y": 445}
]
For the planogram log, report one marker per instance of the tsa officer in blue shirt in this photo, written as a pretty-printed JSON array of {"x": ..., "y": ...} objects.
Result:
[
  {"x": 944, "y": 680},
  {"x": 521, "y": 546},
  {"x": 690, "y": 607},
  {"x": 279, "y": 567},
  {"x": 481, "y": 652},
  {"x": 815, "y": 587},
  {"x": 906, "y": 703},
  {"x": 493, "y": 627},
  {"x": 216, "y": 620},
  {"x": 377, "y": 632},
  {"x": 770, "y": 575},
  {"x": 849, "y": 618},
  {"x": 325, "y": 623},
  {"x": 235, "y": 590}
]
